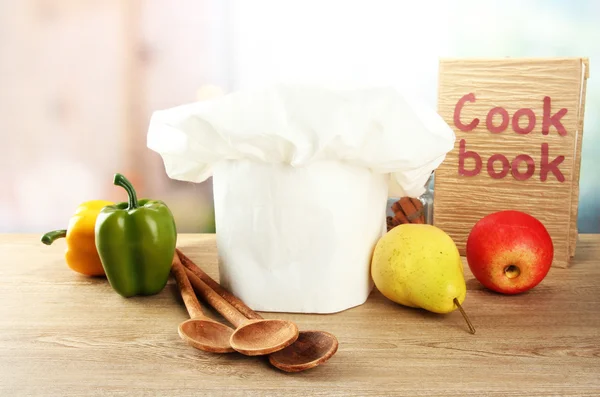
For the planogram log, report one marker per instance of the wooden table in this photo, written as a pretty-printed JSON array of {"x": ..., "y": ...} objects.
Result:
[{"x": 63, "y": 334}]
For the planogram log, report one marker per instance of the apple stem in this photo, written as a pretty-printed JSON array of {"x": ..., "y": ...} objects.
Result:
[{"x": 462, "y": 311}]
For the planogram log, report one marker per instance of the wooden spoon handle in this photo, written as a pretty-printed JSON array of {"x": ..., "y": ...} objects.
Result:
[
  {"x": 228, "y": 296},
  {"x": 229, "y": 312},
  {"x": 185, "y": 289}
]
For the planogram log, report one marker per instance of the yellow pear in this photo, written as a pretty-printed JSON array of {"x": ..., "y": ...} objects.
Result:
[{"x": 418, "y": 265}]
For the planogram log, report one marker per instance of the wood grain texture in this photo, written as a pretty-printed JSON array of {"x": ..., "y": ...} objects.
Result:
[
  {"x": 311, "y": 348},
  {"x": 63, "y": 334},
  {"x": 188, "y": 296},
  {"x": 461, "y": 201},
  {"x": 252, "y": 337},
  {"x": 579, "y": 144},
  {"x": 228, "y": 296},
  {"x": 229, "y": 312},
  {"x": 200, "y": 331}
]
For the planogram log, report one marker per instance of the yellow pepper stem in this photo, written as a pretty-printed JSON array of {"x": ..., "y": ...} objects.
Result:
[{"x": 49, "y": 237}]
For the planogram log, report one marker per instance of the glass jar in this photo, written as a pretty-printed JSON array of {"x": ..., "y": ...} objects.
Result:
[
  {"x": 401, "y": 210},
  {"x": 427, "y": 200}
]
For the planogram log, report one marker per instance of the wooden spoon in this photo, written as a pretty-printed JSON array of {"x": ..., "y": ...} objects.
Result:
[
  {"x": 308, "y": 351},
  {"x": 199, "y": 331},
  {"x": 253, "y": 337}
]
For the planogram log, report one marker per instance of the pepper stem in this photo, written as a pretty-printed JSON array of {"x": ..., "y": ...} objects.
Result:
[
  {"x": 120, "y": 180},
  {"x": 49, "y": 237}
]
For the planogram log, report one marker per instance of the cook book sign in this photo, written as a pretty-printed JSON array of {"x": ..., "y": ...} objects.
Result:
[{"x": 518, "y": 125}]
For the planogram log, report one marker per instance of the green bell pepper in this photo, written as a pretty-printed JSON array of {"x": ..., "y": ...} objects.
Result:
[{"x": 136, "y": 243}]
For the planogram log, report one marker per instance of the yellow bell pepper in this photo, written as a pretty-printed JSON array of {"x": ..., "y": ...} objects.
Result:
[{"x": 81, "y": 253}]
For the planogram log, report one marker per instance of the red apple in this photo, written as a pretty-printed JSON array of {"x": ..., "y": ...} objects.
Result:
[{"x": 509, "y": 251}]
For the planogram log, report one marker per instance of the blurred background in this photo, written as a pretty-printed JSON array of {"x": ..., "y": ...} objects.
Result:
[{"x": 79, "y": 80}]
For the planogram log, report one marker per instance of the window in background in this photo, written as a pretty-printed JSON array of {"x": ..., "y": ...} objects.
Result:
[
  {"x": 81, "y": 80},
  {"x": 400, "y": 42}
]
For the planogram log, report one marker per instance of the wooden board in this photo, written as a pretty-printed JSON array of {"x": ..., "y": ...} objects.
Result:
[
  {"x": 62, "y": 334},
  {"x": 479, "y": 98},
  {"x": 575, "y": 195}
]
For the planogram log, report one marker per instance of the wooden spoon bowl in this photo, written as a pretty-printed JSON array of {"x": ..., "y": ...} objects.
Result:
[
  {"x": 309, "y": 350},
  {"x": 259, "y": 337},
  {"x": 206, "y": 335}
]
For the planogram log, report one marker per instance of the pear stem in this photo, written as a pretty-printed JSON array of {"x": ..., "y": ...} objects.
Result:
[{"x": 464, "y": 314}]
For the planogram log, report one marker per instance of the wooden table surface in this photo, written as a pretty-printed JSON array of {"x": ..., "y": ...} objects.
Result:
[{"x": 63, "y": 334}]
